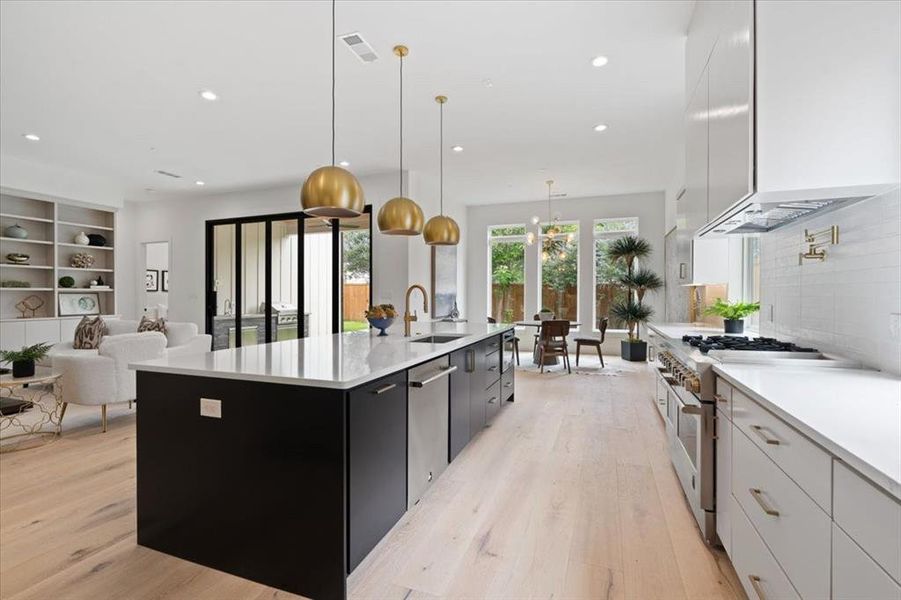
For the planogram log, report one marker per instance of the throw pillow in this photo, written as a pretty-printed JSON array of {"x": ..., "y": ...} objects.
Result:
[
  {"x": 152, "y": 325},
  {"x": 88, "y": 333}
]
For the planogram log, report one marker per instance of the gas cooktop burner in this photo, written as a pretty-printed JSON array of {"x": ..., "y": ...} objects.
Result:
[{"x": 737, "y": 342}]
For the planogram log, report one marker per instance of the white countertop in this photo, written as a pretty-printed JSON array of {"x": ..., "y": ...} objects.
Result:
[
  {"x": 855, "y": 414},
  {"x": 675, "y": 331},
  {"x": 339, "y": 361}
]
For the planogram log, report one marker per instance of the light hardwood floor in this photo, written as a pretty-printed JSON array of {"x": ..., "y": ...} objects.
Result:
[{"x": 569, "y": 494}]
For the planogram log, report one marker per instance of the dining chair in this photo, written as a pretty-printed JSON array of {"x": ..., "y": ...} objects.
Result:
[
  {"x": 514, "y": 340},
  {"x": 537, "y": 317},
  {"x": 593, "y": 341},
  {"x": 553, "y": 342}
]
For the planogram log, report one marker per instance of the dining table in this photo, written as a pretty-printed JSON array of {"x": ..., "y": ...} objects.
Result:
[{"x": 548, "y": 360}]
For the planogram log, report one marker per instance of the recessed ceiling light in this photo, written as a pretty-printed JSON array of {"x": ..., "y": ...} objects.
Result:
[
  {"x": 198, "y": 182},
  {"x": 344, "y": 163},
  {"x": 599, "y": 61},
  {"x": 209, "y": 95},
  {"x": 457, "y": 148},
  {"x": 600, "y": 127},
  {"x": 31, "y": 137}
]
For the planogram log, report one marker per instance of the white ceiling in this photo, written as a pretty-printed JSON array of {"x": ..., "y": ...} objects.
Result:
[{"x": 112, "y": 89}]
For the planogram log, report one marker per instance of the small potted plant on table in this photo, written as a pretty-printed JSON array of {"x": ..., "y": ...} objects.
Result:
[
  {"x": 733, "y": 313},
  {"x": 23, "y": 360},
  {"x": 636, "y": 281}
]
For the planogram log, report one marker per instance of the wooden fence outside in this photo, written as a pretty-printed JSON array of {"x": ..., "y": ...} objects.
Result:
[{"x": 356, "y": 301}]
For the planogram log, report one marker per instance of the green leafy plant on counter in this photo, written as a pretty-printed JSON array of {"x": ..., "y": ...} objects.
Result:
[
  {"x": 26, "y": 354},
  {"x": 732, "y": 310}
]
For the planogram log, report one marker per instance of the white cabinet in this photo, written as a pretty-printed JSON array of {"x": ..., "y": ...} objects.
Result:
[
  {"x": 730, "y": 108},
  {"x": 724, "y": 477},
  {"x": 828, "y": 92},
  {"x": 12, "y": 335},
  {"x": 691, "y": 208},
  {"x": 855, "y": 576},
  {"x": 760, "y": 574}
]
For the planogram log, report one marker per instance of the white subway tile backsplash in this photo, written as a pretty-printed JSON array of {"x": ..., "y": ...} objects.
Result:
[{"x": 842, "y": 305}]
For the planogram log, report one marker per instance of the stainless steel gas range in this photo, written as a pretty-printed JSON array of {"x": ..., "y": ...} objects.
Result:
[{"x": 683, "y": 360}]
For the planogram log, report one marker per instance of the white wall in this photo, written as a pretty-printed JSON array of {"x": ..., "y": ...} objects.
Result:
[
  {"x": 181, "y": 221},
  {"x": 846, "y": 304},
  {"x": 648, "y": 207}
]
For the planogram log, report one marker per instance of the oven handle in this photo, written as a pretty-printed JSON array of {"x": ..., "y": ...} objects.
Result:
[{"x": 755, "y": 583}]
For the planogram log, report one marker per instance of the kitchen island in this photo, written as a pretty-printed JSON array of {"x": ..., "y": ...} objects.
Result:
[{"x": 286, "y": 463}]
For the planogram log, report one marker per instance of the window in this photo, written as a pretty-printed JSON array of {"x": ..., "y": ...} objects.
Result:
[
  {"x": 507, "y": 272},
  {"x": 607, "y": 290},
  {"x": 559, "y": 265},
  {"x": 751, "y": 277}
]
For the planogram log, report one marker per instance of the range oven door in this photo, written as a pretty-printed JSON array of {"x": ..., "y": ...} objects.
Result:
[{"x": 692, "y": 455}]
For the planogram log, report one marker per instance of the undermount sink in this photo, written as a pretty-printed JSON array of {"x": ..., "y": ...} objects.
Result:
[{"x": 437, "y": 339}]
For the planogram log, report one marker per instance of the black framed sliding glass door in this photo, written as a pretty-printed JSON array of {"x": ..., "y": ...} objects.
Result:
[{"x": 276, "y": 277}]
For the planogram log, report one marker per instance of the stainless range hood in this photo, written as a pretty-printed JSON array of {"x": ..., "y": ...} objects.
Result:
[{"x": 765, "y": 211}]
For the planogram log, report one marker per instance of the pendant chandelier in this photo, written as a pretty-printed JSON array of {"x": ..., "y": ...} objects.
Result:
[
  {"x": 401, "y": 215},
  {"x": 551, "y": 246},
  {"x": 330, "y": 191},
  {"x": 441, "y": 230}
]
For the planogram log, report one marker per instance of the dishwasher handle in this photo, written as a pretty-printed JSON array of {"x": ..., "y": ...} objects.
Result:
[{"x": 435, "y": 377}]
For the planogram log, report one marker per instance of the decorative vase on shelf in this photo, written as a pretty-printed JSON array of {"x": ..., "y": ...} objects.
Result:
[
  {"x": 95, "y": 239},
  {"x": 82, "y": 260},
  {"x": 82, "y": 239},
  {"x": 16, "y": 231}
]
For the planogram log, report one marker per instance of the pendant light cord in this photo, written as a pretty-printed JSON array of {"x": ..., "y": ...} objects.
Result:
[
  {"x": 441, "y": 154},
  {"x": 401, "y": 173},
  {"x": 333, "y": 83}
]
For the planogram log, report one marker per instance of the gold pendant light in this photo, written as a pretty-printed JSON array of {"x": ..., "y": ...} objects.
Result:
[
  {"x": 401, "y": 215},
  {"x": 332, "y": 192},
  {"x": 441, "y": 230},
  {"x": 550, "y": 245}
]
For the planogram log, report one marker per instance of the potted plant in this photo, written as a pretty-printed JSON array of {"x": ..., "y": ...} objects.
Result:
[
  {"x": 733, "y": 313},
  {"x": 23, "y": 360},
  {"x": 637, "y": 282}
]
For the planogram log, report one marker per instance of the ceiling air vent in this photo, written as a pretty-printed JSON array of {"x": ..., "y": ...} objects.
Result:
[
  {"x": 168, "y": 174},
  {"x": 359, "y": 47}
]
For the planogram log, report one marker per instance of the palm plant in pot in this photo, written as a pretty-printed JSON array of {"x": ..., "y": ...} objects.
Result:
[
  {"x": 733, "y": 313},
  {"x": 636, "y": 282},
  {"x": 23, "y": 360}
]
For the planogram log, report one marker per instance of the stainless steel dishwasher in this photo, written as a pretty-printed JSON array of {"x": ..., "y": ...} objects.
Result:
[{"x": 428, "y": 425}]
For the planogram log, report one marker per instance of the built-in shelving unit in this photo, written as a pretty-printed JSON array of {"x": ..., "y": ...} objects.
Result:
[{"x": 52, "y": 228}]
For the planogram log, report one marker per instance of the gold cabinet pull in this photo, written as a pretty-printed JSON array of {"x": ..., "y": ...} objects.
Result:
[
  {"x": 758, "y": 495},
  {"x": 755, "y": 583},
  {"x": 760, "y": 433}
]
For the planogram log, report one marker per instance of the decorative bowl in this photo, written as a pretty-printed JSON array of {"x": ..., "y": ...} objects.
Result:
[
  {"x": 17, "y": 258},
  {"x": 381, "y": 324},
  {"x": 16, "y": 231}
]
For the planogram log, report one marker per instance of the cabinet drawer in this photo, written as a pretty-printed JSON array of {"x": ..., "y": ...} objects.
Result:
[
  {"x": 507, "y": 386},
  {"x": 724, "y": 396},
  {"x": 492, "y": 345},
  {"x": 759, "y": 572},
  {"x": 794, "y": 528},
  {"x": 492, "y": 369},
  {"x": 855, "y": 575},
  {"x": 492, "y": 400},
  {"x": 871, "y": 517},
  {"x": 808, "y": 465}
]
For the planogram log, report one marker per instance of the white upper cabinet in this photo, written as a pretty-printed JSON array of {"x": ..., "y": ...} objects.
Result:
[
  {"x": 730, "y": 109},
  {"x": 828, "y": 94}
]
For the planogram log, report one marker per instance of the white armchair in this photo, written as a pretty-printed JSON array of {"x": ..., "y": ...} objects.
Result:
[{"x": 104, "y": 378}]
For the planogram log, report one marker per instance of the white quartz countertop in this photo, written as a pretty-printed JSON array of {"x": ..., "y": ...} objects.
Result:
[
  {"x": 855, "y": 414},
  {"x": 675, "y": 331},
  {"x": 339, "y": 361}
]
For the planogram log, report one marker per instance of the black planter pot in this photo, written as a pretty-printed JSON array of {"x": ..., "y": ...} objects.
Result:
[
  {"x": 734, "y": 325},
  {"x": 23, "y": 368},
  {"x": 634, "y": 351}
]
